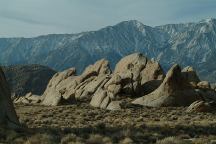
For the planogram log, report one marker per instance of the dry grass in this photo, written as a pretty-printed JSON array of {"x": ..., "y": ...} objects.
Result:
[
  {"x": 71, "y": 138},
  {"x": 81, "y": 124},
  {"x": 173, "y": 140}
]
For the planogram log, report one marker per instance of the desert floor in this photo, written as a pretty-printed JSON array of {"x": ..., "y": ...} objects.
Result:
[{"x": 81, "y": 123}]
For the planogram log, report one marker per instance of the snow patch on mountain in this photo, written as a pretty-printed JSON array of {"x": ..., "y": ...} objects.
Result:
[{"x": 187, "y": 44}]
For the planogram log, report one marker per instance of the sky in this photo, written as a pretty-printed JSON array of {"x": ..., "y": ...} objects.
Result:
[{"x": 30, "y": 18}]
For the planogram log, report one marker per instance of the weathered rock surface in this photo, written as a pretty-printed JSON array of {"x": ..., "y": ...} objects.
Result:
[
  {"x": 174, "y": 91},
  {"x": 133, "y": 76},
  {"x": 66, "y": 86},
  {"x": 204, "y": 85},
  {"x": 114, "y": 105},
  {"x": 199, "y": 106},
  {"x": 136, "y": 72},
  {"x": 7, "y": 113},
  {"x": 29, "y": 98},
  {"x": 53, "y": 94},
  {"x": 213, "y": 86}
]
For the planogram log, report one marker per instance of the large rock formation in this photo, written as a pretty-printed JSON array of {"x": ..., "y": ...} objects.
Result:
[
  {"x": 7, "y": 113},
  {"x": 66, "y": 86},
  {"x": 174, "y": 91},
  {"x": 133, "y": 75}
]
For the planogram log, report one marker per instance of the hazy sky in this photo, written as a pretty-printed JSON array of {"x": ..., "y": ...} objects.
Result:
[{"x": 36, "y": 17}]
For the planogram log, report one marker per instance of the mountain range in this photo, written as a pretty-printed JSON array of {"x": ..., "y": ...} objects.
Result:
[
  {"x": 191, "y": 44},
  {"x": 23, "y": 79}
]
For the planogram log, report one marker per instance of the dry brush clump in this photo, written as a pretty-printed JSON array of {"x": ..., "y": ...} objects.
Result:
[
  {"x": 72, "y": 139},
  {"x": 173, "y": 140},
  {"x": 41, "y": 139}
]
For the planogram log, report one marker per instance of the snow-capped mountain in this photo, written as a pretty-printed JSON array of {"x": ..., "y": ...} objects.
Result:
[{"x": 187, "y": 44}]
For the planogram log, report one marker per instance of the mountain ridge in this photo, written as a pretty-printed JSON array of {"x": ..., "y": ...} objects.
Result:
[
  {"x": 23, "y": 79},
  {"x": 184, "y": 43}
]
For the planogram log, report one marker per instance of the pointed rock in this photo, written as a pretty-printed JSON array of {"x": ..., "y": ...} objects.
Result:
[
  {"x": 199, "y": 106},
  {"x": 174, "y": 91}
]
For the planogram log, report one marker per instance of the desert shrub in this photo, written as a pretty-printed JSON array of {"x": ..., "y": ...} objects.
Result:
[
  {"x": 173, "y": 140},
  {"x": 41, "y": 139},
  {"x": 71, "y": 139},
  {"x": 20, "y": 140},
  {"x": 98, "y": 139},
  {"x": 2, "y": 134},
  {"x": 8, "y": 135},
  {"x": 11, "y": 135},
  {"x": 127, "y": 140}
]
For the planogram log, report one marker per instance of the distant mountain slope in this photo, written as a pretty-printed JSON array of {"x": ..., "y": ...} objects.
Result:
[
  {"x": 28, "y": 78},
  {"x": 188, "y": 44}
]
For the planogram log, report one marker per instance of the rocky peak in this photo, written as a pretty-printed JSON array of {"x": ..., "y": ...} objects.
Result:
[{"x": 208, "y": 21}]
